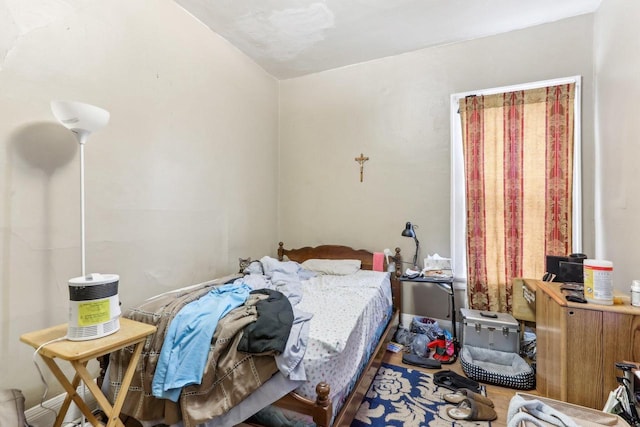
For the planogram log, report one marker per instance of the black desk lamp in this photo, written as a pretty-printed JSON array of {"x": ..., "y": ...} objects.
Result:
[{"x": 410, "y": 232}]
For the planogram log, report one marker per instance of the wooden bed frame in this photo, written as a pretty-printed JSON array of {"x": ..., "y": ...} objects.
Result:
[{"x": 321, "y": 410}]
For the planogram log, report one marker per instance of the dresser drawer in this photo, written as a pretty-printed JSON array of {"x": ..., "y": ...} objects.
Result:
[{"x": 524, "y": 301}]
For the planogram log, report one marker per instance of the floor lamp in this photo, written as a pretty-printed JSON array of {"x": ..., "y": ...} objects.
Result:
[
  {"x": 81, "y": 119},
  {"x": 94, "y": 307}
]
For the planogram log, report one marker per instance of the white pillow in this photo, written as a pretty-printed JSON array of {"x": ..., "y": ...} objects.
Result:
[
  {"x": 338, "y": 267},
  {"x": 272, "y": 265}
]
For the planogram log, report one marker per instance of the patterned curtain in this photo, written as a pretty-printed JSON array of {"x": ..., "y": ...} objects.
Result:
[{"x": 518, "y": 160}]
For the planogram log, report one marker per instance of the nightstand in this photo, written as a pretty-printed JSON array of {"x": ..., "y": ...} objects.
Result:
[
  {"x": 446, "y": 284},
  {"x": 78, "y": 354}
]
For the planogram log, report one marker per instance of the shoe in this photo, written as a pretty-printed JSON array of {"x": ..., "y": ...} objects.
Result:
[
  {"x": 464, "y": 393},
  {"x": 423, "y": 362},
  {"x": 472, "y": 410},
  {"x": 453, "y": 381}
]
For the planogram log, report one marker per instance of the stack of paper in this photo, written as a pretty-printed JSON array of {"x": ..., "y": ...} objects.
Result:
[{"x": 437, "y": 266}]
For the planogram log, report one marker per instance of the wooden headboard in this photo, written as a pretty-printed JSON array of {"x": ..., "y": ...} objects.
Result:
[
  {"x": 335, "y": 252},
  {"x": 345, "y": 252}
]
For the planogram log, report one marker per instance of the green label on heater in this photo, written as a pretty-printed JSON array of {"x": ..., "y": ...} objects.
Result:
[{"x": 94, "y": 312}]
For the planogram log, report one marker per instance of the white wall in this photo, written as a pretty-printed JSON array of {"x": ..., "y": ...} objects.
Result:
[
  {"x": 617, "y": 69},
  {"x": 395, "y": 110},
  {"x": 181, "y": 183}
]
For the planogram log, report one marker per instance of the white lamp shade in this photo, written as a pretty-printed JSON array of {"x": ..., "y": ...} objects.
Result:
[{"x": 80, "y": 117}]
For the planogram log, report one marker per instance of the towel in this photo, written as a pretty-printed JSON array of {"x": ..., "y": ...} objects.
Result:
[{"x": 378, "y": 261}]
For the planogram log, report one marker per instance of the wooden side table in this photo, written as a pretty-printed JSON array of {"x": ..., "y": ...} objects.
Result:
[{"x": 78, "y": 354}]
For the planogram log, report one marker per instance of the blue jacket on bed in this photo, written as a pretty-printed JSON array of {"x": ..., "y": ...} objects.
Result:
[{"x": 186, "y": 345}]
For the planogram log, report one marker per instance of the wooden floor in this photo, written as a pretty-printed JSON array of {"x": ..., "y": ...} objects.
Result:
[{"x": 500, "y": 396}]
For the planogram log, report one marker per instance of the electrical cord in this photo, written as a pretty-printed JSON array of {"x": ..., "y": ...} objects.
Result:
[{"x": 44, "y": 381}]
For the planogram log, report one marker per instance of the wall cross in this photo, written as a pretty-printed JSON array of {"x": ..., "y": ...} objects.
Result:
[{"x": 361, "y": 160}]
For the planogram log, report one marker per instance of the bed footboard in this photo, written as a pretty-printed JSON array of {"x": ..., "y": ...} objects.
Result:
[{"x": 322, "y": 408}]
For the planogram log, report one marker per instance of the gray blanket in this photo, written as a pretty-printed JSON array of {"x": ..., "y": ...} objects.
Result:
[{"x": 218, "y": 391}]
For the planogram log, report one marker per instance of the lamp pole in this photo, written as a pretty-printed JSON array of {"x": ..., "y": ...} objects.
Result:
[{"x": 82, "y": 137}]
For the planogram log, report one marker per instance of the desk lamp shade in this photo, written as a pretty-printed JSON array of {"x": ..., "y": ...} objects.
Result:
[
  {"x": 94, "y": 307},
  {"x": 409, "y": 231}
]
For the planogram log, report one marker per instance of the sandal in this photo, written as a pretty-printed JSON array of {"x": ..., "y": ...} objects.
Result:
[
  {"x": 472, "y": 410},
  {"x": 464, "y": 393},
  {"x": 453, "y": 381}
]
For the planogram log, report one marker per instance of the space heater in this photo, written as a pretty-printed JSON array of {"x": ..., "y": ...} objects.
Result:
[{"x": 94, "y": 307}]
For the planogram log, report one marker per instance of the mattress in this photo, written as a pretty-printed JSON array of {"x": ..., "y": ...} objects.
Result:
[{"x": 349, "y": 314}]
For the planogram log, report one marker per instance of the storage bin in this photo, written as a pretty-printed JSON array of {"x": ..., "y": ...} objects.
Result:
[{"x": 487, "y": 329}]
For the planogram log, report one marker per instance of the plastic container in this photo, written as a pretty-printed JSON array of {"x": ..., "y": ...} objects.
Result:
[
  {"x": 598, "y": 281},
  {"x": 635, "y": 293}
]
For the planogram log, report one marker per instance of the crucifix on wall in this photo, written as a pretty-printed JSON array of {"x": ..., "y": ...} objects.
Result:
[{"x": 361, "y": 160}]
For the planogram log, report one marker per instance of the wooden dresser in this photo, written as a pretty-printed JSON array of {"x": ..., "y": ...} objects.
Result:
[{"x": 578, "y": 344}]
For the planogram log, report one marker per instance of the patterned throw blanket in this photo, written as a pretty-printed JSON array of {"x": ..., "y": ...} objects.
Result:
[{"x": 229, "y": 376}]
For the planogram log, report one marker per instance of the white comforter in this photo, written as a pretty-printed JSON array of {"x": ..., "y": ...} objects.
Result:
[{"x": 347, "y": 311}]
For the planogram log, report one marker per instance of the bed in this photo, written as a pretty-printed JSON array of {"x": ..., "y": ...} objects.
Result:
[{"x": 334, "y": 385}]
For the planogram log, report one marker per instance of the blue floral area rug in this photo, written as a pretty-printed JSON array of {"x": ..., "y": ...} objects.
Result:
[{"x": 406, "y": 397}]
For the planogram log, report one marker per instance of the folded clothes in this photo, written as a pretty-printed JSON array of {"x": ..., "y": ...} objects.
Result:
[{"x": 414, "y": 359}]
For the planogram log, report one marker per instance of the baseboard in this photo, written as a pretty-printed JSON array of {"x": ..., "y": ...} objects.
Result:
[{"x": 40, "y": 416}]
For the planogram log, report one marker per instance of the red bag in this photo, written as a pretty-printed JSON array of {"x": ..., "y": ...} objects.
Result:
[{"x": 443, "y": 350}]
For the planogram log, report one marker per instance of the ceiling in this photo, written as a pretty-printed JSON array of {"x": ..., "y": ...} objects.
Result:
[{"x": 291, "y": 38}]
